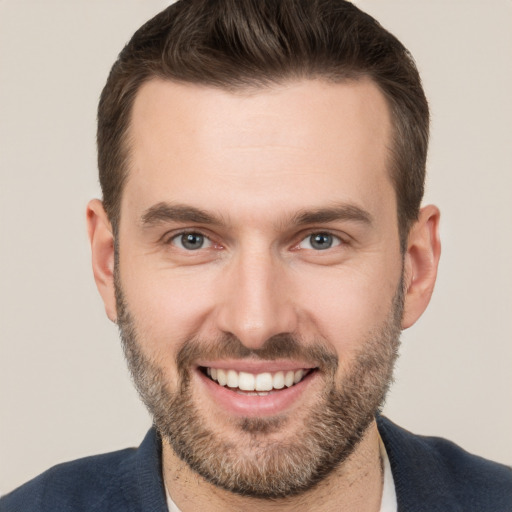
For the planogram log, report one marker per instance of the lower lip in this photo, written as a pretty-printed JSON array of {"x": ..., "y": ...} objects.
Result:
[{"x": 276, "y": 402}]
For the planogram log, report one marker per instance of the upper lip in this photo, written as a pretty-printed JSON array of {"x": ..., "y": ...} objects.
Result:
[{"x": 256, "y": 366}]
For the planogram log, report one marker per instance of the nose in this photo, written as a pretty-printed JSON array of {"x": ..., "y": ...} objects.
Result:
[{"x": 256, "y": 300}]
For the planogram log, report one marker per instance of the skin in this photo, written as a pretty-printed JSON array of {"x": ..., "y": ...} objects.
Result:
[{"x": 255, "y": 160}]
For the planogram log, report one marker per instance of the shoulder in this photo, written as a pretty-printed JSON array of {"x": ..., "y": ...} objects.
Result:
[
  {"x": 129, "y": 479},
  {"x": 77, "y": 485},
  {"x": 441, "y": 474}
]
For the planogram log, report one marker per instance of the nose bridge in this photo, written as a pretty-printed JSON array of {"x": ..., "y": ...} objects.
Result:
[{"x": 257, "y": 303}]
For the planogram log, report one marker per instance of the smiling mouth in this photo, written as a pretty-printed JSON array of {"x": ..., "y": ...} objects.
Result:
[{"x": 260, "y": 384}]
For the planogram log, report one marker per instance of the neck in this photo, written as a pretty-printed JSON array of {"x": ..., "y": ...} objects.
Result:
[{"x": 354, "y": 486}]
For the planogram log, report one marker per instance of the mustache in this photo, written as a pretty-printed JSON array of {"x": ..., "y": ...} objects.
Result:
[{"x": 280, "y": 346}]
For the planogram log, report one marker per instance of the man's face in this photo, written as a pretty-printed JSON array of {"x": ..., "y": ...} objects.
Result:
[{"x": 259, "y": 275}]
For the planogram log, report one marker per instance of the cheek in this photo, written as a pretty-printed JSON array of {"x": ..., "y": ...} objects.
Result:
[
  {"x": 168, "y": 307},
  {"x": 345, "y": 308}
]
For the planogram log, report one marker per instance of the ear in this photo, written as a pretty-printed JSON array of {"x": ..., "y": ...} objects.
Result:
[
  {"x": 101, "y": 239},
  {"x": 421, "y": 261}
]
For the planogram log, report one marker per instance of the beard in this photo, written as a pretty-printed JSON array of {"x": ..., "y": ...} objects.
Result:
[{"x": 259, "y": 465}]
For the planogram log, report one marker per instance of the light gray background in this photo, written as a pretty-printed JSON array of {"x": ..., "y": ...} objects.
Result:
[{"x": 64, "y": 390}]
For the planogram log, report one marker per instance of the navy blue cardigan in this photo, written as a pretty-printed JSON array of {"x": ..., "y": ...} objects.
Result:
[{"x": 430, "y": 474}]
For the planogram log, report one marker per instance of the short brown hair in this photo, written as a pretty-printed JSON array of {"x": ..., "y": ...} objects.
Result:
[{"x": 234, "y": 44}]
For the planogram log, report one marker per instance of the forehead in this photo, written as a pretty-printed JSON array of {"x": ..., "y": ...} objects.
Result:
[{"x": 275, "y": 148}]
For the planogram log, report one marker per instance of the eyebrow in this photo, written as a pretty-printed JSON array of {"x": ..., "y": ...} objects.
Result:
[
  {"x": 167, "y": 212},
  {"x": 347, "y": 212}
]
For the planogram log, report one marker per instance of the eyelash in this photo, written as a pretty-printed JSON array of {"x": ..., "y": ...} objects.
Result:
[
  {"x": 168, "y": 239},
  {"x": 337, "y": 240}
]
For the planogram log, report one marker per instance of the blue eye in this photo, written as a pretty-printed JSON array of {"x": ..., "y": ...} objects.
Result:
[
  {"x": 320, "y": 241},
  {"x": 191, "y": 241}
]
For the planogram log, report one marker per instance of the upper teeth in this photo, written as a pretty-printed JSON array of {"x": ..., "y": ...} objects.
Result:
[{"x": 255, "y": 382}]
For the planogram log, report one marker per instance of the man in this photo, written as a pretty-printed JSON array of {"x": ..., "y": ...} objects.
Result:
[{"x": 261, "y": 245}]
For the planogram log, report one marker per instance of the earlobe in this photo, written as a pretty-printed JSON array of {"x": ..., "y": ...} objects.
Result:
[
  {"x": 102, "y": 251},
  {"x": 421, "y": 262}
]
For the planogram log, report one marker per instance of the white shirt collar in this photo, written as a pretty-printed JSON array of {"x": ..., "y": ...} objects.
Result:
[{"x": 388, "y": 502}]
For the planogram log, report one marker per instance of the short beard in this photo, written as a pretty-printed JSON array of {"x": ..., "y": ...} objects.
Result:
[{"x": 261, "y": 467}]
